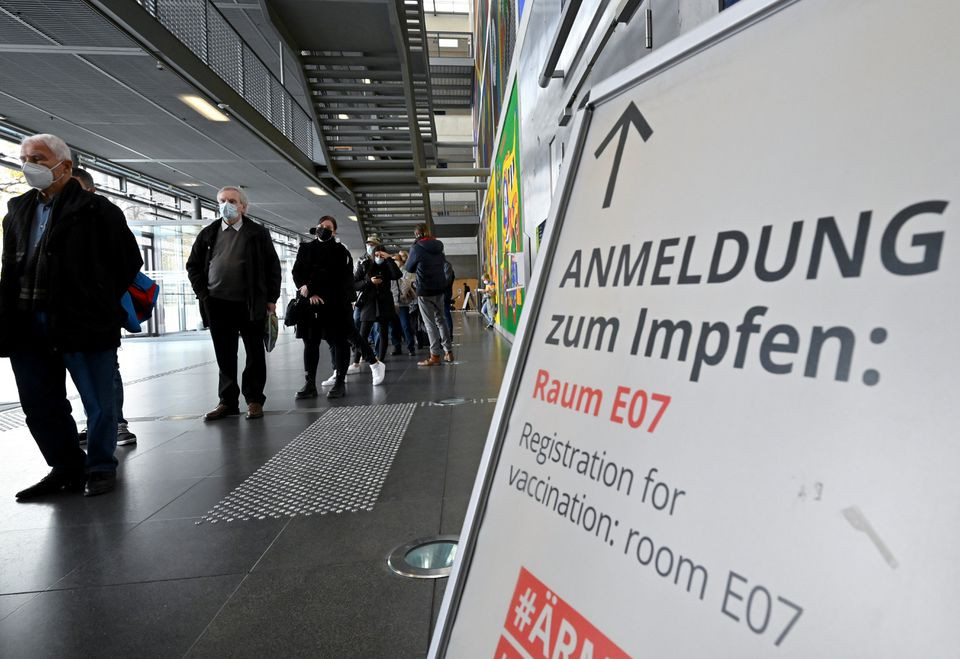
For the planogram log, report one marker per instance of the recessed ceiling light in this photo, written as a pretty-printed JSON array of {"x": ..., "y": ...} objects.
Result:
[
  {"x": 317, "y": 190},
  {"x": 343, "y": 116},
  {"x": 352, "y": 217},
  {"x": 203, "y": 107},
  {"x": 190, "y": 185}
]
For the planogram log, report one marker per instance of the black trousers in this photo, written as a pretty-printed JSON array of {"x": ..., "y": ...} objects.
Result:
[
  {"x": 365, "y": 328},
  {"x": 340, "y": 336},
  {"x": 339, "y": 357},
  {"x": 229, "y": 322}
]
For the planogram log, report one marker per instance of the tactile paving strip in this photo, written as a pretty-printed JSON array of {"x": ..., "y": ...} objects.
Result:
[{"x": 336, "y": 465}]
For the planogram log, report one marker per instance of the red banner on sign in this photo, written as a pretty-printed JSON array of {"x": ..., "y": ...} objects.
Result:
[
  {"x": 505, "y": 650},
  {"x": 546, "y": 626}
]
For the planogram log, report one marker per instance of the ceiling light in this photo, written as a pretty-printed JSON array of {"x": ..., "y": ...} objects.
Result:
[
  {"x": 317, "y": 190},
  {"x": 342, "y": 116},
  {"x": 190, "y": 185},
  {"x": 352, "y": 217},
  {"x": 371, "y": 157},
  {"x": 203, "y": 107}
]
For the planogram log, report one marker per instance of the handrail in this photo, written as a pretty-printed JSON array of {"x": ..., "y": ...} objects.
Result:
[{"x": 567, "y": 18}]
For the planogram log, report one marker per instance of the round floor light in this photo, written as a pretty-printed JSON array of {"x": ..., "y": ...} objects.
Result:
[{"x": 425, "y": 558}]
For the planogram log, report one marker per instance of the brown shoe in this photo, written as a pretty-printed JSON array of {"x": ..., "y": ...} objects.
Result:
[
  {"x": 433, "y": 360},
  {"x": 448, "y": 357},
  {"x": 254, "y": 411},
  {"x": 219, "y": 412}
]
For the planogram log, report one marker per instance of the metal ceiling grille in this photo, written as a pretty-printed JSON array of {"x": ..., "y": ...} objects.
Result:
[{"x": 200, "y": 26}]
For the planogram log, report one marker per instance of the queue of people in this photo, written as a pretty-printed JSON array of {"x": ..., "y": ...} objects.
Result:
[{"x": 68, "y": 257}]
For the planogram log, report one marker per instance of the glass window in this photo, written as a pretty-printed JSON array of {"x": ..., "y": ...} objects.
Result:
[
  {"x": 105, "y": 181},
  {"x": 138, "y": 190},
  {"x": 9, "y": 150},
  {"x": 165, "y": 199}
]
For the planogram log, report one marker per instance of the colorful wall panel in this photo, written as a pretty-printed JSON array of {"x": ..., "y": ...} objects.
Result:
[{"x": 502, "y": 223}]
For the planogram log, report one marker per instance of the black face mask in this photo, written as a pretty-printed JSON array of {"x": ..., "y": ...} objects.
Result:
[{"x": 325, "y": 234}]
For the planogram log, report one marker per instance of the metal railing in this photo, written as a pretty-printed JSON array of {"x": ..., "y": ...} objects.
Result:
[
  {"x": 460, "y": 204},
  {"x": 450, "y": 44},
  {"x": 200, "y": 26}
]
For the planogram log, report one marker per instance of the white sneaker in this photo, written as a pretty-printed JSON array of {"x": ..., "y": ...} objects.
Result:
[
  {"x": 379, "y": 371},
  {"x": 330, "y": 380},
  {"x": 354, "y": 368}
]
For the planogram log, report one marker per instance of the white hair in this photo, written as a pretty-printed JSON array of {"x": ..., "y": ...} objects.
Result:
[
  {"x": 238, "y": 190},
  {"x": 59, "y": 148}
]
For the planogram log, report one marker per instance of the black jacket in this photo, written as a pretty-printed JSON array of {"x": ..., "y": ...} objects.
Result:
[
  {"x": 326, "y": 269},
  {"x": 92, "y": 258},
  {"x": 427, "y": 259},
  {"x": 263, "y": 267},
  {"x": 377, "y": 299}
]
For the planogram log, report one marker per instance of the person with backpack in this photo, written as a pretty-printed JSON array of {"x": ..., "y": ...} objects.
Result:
[
  {"x": 125, "y": 436},
  {"x": 427, "y": 261}
]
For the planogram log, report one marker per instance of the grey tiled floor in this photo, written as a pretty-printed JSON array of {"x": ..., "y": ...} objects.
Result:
[{"x": 133, "y": 574}]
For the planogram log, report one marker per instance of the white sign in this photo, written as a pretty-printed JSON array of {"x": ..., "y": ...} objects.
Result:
[{"x": 732, "y": 428}]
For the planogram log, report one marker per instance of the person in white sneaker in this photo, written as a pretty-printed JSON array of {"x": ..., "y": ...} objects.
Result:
[{"x": 323, "y": 273}]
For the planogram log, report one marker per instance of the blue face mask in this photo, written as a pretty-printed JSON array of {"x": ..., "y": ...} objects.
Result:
[
  {"x": 369, "y": 250},
  {"x": 228, "y": 211},
  {"x": 379, "y": 261}
]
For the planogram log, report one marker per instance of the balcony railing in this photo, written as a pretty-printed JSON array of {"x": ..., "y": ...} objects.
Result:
[
  {"x": 450, "y": 44},
  {"x": 200, "y": 26}
]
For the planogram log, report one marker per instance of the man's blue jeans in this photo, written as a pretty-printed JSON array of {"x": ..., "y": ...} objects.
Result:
[
  {"x": 403, "y": 317},
  {"x": 41, "y": 382}
]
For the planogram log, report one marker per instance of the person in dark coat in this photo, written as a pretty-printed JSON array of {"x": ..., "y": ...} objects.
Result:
[
  {"x": 323, "y": 273},
  {"x": 235, "y": 272},
  {"x": 427, "y": 261},
  {"x": 375, "y": 299},
  {"x": 68, "y": 258}
]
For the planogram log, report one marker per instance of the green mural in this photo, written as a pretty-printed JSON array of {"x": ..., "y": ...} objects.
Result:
[{"x": 509, "y": 219}]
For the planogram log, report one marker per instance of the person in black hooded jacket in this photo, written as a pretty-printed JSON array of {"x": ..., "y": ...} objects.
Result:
[
  {"x": 323, "y": 273},
  {"x": 68, "y": 258}
]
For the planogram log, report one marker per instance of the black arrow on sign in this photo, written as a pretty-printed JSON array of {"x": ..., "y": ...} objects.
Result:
[{"x": 630, "y": 116}]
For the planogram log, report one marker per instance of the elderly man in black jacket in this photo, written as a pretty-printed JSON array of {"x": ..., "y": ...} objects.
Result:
[
  {"x": 68, "y": 257},
  {"x": 235, "y": 273}
]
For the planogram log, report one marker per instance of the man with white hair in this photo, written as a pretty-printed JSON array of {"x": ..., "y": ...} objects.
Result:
[
  {"x": 68, "y": 257},
  {"x": 235, "y": 272}
]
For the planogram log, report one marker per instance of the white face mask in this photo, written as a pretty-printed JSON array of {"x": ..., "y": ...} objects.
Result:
[
  {"x": 38, "y": 176},
  {"x": 378, "y": 260},
  {"x": 228, "y": 211}
]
